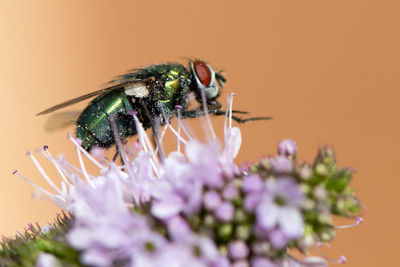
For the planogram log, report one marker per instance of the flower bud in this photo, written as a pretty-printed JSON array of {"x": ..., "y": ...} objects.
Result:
[
  {"x": 225, "y": 212},
  {"x": 287, "y": 148},
  {"x": 238, "y": 250}
]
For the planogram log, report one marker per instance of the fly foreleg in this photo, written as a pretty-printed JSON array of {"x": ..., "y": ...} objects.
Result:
[{"x": 218, "y": 112}]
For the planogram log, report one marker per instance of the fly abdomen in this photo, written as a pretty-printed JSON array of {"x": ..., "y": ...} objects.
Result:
[{"x": 93, "y": 125}]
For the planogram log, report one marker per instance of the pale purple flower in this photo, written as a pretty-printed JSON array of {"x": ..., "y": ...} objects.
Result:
[
  {"x": 186, "y": 180},
  {"x": 144, "y": 183},
  {"x": 240, "y": 263},
  {"x": 47, "y": 260},
  {"x": 251, "y": 201},
  {"x": 260, "y": 247},
  {"x": 203, "y": 159},
  {"x": 238, "y": 249},
  {"x": 280, "y": 207},
  {"x": 253, "y": 183},
  {"x": 174, "y": 255},
  {"x": 225, "y": 212},
  {"x": 253, "y": 186},
  {"x": 281, "y": 164},
  {"x": 212, "y": 200},
  {"x": 277, "y": 238},
  {"x": 288, "y": 262},
  {"x": 105, "y": 197},
  {"x": 105, "y": 230},
  {"x": 287, "y": 148},
  {"x": 262, "y": 262},
  {"x": 314, "y": 262},
  {"x": 193, "y": 250},
  {"x": 46, "y": 228},
  {"x": 111, "y": 239},
  {"x": 221, "y": 262},
  {"x": 308, "y": 262},
  {"x": 230, "y": 192},
  {"x": 178, "y": 228},
  {"x": 168, "y": 206}
]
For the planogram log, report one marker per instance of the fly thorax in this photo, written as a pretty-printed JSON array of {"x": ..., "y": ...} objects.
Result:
[
  {"x": 172, "y": 84},
  {"x": 171, "y": 87}
]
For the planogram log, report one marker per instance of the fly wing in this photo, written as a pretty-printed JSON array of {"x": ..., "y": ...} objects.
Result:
[
  {"x": 130, "y": 75},
  {"x": 60, "y": 120},
  {"x": 92, "y": 94}
]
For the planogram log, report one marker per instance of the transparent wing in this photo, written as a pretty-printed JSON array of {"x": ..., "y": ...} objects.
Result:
[
  {"x": 84, "y": 97},
  {"x": 60, "y": 120},
  {"x": 130, "y": 75}
]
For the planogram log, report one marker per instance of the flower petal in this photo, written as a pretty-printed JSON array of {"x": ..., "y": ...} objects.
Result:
[
  {"x": 267, "y": 215},
  {"x": 291, "y": 222},
  {"x": 233, "y": 141}
]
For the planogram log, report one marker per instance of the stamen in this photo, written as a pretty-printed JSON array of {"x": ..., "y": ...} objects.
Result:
[
  {"x": 18, "y": 234},
  {"x": 138, "y": 131},
  {"x": 186, "y": 131},
  {"x": 342, "y": 259},
  {"x": 97, "y": 152},
  {"x": 145, "y": 142},
  {"x": 145, "y": 138},
  {"x": 46, "y": 229},
  {"x": 84, "y": 151},
  {"x": 4, "y": 239},
  {"x": 15, "y": 172},
  {"x": 228, "y": 115},
  {"x": 85, "y": 174},
  {"x": 136, "y": 145},
  {"x": 64, "y": 188},
  {"x": 43, "y": 173},
  {"x": 162, "y": 136},
  {"x": 169, "y": 125},
  {"x": 230, "y": 109},
  {"x": 156, "y": 135},
  {"x": 228, "y": 97},
  {"x": 74, "y": 175},
  {"x": 178, "y": 110},
  {"x": 49, "y": 157},
  {"x": 359, "y": 220},
  {"x": 205, "y": 109}
]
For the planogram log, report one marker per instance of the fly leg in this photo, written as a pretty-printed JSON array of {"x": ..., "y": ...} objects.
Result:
[
  {"x": 218, "y": 112},
  {"x": 115, "y": 156},
  {"x": 199, "y": 112},
  {"x": 155, "y": 122},
  {"x": 119, "y": 122}
]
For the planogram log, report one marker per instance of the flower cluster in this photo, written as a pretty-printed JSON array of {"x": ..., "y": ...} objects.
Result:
[{"x": 198, "y": 208}]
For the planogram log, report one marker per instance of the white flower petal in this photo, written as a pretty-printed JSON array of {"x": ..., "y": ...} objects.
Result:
[
  {"x": 267, "y": 215},
  {"x": 80, "y": 238},
  {"x": 291, "y": 222},
  {"x": 314, "y": 262},
  {"x": 233, "y": 139},
  {"x": 47, "y": 260},
  {"x": 166, "y": 209}
]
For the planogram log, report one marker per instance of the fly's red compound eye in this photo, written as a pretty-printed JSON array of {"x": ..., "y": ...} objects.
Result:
[{"x": 203, "y": 72}]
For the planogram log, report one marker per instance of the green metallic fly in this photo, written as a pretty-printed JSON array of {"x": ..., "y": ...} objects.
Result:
[{"x": 152, "y": 93}]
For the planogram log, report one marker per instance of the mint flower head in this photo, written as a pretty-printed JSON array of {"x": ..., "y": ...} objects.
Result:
[{"x": 192, "y": 207}]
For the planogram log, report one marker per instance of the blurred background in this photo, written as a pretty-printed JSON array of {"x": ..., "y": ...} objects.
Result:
[{"x": 328, "y": 71}]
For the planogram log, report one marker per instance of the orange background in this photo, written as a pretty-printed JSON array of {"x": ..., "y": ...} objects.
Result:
[{"x": 328, "y": 71}]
